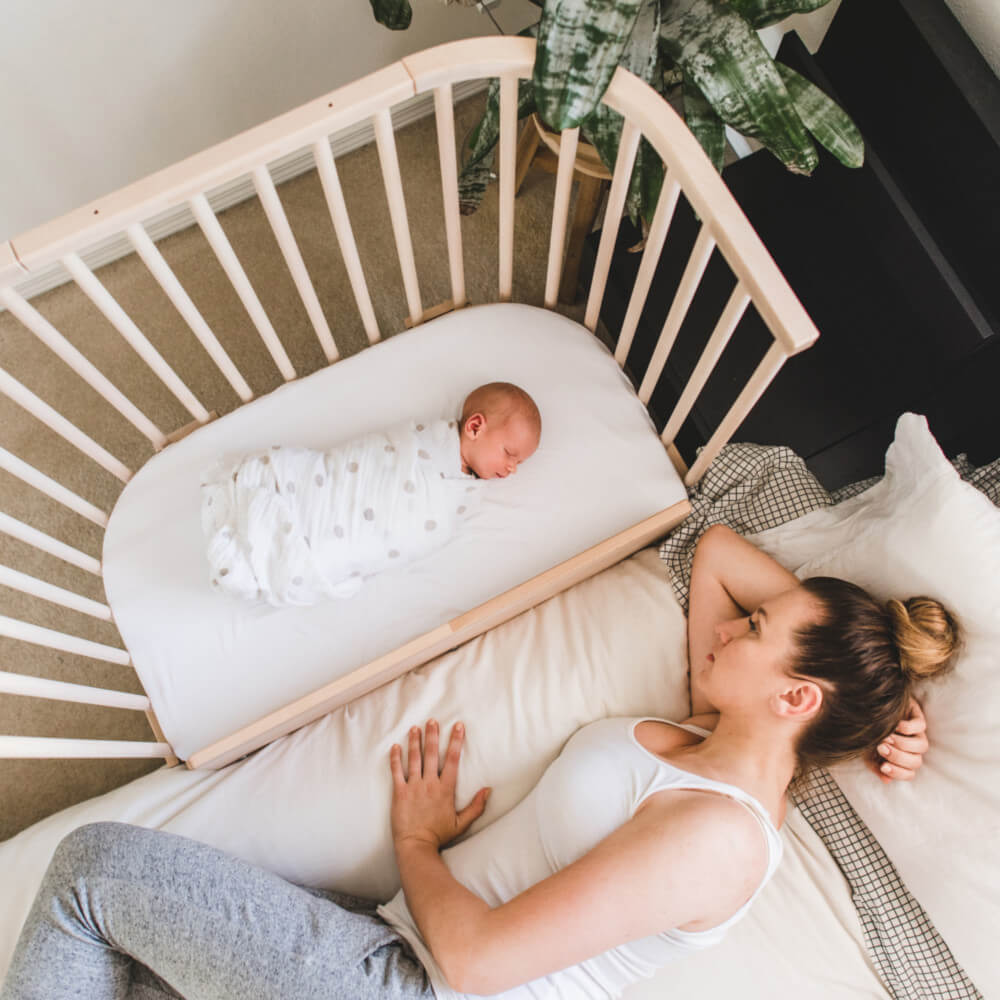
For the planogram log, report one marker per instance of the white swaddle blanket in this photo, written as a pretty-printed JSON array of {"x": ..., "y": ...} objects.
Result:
[{"x": 297, "y": 526}]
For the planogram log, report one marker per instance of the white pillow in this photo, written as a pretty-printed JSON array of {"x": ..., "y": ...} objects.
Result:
[{"x": 921, "y": 530}]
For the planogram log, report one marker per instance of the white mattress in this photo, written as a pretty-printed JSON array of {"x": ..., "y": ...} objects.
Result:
[
  {"x": 211, "y": 664},
  {"x": 314, "y": 806}
]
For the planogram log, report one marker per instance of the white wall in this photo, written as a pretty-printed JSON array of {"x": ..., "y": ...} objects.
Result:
[
  {"x": 98, "y": 93},
  {"x": 981, "y": 20}
]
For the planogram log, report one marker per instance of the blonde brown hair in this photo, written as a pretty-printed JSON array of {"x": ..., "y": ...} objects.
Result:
[
  {"x": 866, "y": 656},
  {"x": 499, "y": 401}
]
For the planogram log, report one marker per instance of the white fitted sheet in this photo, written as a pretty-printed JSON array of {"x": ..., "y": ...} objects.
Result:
[
  {"x": 314, "y": 806},
  {"x": 211, "y": 664}
]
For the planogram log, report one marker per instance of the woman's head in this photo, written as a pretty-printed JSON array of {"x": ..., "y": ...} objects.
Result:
[{"x": 865, "y": 657}]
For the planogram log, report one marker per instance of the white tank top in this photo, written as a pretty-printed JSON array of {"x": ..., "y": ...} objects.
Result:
[{"x": 593, "y": 787}]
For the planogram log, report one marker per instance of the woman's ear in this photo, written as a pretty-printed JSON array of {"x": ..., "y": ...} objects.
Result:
[
  {"x": 799, "y": 701},
  {"x": 475, "y": 425}
]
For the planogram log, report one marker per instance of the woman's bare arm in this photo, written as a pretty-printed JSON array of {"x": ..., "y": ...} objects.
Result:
[{"x": 729, "y": 578}]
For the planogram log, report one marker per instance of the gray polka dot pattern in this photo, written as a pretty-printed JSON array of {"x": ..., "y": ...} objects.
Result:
[
  {"x": 223, "y": 572},
  {"x": 393, "y": 553},
  {"x": 338, "y": 531},
  {"x": 410, "y": 486},
  {"x": 287, "y": 527},
  {"x": 319, "y": 479},
  {"x": 352, "y": 466},
  {"x": 297, "y": 581},
  {"x": 462, "y": 509},
  {"x": 423, "y": 453},
  {"x": 430, "y": 525},
  {"x": 369, "y": 514},
  {"x": 290, "y": 487}
]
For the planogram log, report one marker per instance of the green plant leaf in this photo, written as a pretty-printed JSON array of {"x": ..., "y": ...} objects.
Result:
[
  {"x": 761, "y": 13},
  {"x": 722, "y": 55},
  {"x": 708, "y": 128},
  {"x": 580, "y": 43},
  {"x": 395, "y": 14},
  {"x": 825, "y": 119}
]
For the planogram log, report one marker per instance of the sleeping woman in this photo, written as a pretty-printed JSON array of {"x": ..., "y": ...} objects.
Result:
[
  {"x": 296, "y": 526},
  {"x": 644, "y": 839}
]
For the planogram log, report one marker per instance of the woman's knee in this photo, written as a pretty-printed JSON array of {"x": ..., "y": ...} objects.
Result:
[{"x": 89, "y": 845}]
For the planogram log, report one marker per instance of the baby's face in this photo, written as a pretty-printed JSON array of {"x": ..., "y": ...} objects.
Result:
[{"x": 496, "y": 452}]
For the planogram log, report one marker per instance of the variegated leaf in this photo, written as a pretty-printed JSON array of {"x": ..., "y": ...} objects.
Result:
[
  {"x": 708, "y": 128},
  {"x": 395, "y": 14},
  {"x": 723, "y": 56},
  {"x": 761, "y": 13},
  {"x": 825, "y": 119},
  {"x": 580, "y": 43}
]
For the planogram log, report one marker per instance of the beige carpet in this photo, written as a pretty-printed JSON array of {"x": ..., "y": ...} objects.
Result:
[{"x": 32, "y": 789}]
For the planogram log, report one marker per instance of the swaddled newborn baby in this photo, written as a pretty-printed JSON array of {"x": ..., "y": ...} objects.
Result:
[{"x": 298, "y": 526}]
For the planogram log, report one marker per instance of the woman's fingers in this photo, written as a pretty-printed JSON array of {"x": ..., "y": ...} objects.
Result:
[
  {"x": 472, "y": 812},
  {"x": 396, "y": 764},
  {"x": 914, "y": 722},
  {"x": 415, "y": 761},
  {"x": 449, "y": 773},
  {"x": 431, "y": 749}
]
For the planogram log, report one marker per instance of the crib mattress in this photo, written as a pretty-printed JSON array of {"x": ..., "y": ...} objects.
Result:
[
  {"x": 212, "y": 664},
  {"x": 314, "y": 806}
]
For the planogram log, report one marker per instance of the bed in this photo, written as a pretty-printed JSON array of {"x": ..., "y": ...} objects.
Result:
[{"x": 220, "y": 681}]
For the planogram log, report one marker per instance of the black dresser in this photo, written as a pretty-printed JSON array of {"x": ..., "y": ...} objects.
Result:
[{"x": 898, "y": 262}]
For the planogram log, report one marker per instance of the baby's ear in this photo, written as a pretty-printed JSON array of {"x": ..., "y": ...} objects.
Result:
[{"x": 475, "y": 425}]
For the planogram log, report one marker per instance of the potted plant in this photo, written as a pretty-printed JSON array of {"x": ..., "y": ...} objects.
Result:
[{"x": 709, "y": 49}]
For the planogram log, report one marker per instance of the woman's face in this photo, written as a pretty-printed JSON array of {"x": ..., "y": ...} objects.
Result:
[{"x": 752, "y": 656}]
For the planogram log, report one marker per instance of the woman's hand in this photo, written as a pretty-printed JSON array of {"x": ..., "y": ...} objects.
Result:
[
  {"x": 899, "y": 757},
  {"x": 423, "y": 801}
]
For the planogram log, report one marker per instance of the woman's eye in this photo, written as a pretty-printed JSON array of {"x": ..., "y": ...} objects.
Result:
[{"x": 752, "y": 624}]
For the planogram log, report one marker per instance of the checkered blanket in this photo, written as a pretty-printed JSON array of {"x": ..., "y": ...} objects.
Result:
[{"x": 752, "y": 488}]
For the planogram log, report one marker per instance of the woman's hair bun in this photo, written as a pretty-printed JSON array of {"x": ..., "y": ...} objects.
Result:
[{"x": 926, "y": 635}]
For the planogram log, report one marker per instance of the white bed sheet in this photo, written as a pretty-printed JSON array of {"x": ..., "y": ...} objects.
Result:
[
  {"x": 314, "y": 806},
  {"x": 211, "y": 664}
]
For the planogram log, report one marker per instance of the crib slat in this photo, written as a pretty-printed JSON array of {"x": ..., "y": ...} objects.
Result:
[
  {"x": 160, "y": 270},
  {"x": 444, "y": 113},
  {"x": 628, "y": 146},
  {"x": 728, "y": 321},
  {"x": 123, "y": 323},
  {"x": 42, "y": 411},
  {"x": 43, "y": 747},
  {"x": 275, "y": 213},
  {"x": 508, "y": 167},
  {"x": 568, "y": 143},
  {"x": 60, "y": 346},
  {"x": 30, "y": 475},
  {"x": 345, "y": 236},
  {"x": 48, "y": 592},
  {"x": 655, "y": 239},
  {"x": 82, "y": 694},
  {"x": 223, "y": 250},
  {"x": 46, "y": 543},
  {"x": 14, "y": 629},
  {"x": 769, "y": 366},
  {"x": 696, "y": 265},
  {"x": 385, "y": 140}
]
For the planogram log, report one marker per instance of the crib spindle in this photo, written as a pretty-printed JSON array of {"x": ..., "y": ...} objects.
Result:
[
  {"x": 35, "y": 634},
  {"x": 174, "y": 290},
  {"x": 44, "y": 747},
  {"x": 385, "y": 140},
  {"x": 769, "y": 366},
  {"x": 728, "y": 321},
  {"x": 628, "y": 146},
  {"x": 56, "y": 595},
  {"x": 60, "y": 346},
  {"x": 123, "y": 323},
  {"x": 345, "y": 236},
  {"x": 30, "y": 475},
  {"x": 47, "y": 415},
  {"x": 695, "y": 268},
  {"x": 655, "y": 240},
  {"x": 81, "y": 694},
  {"x": 444, "y": 114},
  {"x": 226, "y": 256},
  {"x": 508, "y": 168},
  {"x": 276, "y": 216},
  {"x": 569, "y": 141},
  {"x": 46, "y": 543}
]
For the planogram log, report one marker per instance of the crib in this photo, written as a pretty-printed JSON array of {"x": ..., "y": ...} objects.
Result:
[{"x": 64, "y": 247}]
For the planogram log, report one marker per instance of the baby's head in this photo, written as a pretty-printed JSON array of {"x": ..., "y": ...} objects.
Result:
[{"x": 500, "y": 428}]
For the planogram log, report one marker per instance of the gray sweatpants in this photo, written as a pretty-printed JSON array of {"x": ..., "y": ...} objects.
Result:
[{"x": 125, "y": 912}]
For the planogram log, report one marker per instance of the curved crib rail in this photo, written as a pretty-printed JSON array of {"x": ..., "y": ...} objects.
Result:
[{"x": 126, "y": 216}]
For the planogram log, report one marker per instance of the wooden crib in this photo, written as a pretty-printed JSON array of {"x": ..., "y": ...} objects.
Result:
[{"x": 65, "y": 243}]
